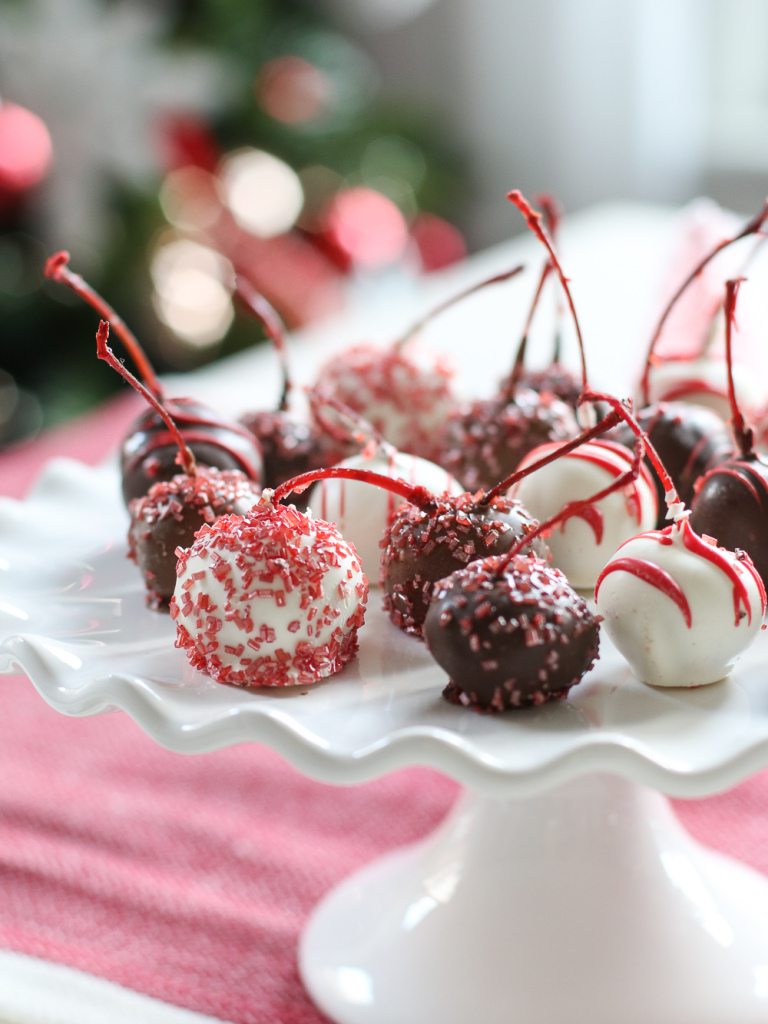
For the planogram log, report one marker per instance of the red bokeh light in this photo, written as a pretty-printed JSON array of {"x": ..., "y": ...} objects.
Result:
[
  {"x": 292, "y": 90},
  {"x": 439, "y": 242},
  {"x": 366, "y": 226},
  {"x": 25, "y": 149}
]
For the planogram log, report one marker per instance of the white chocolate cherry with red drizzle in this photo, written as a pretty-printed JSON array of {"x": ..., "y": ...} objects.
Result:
[
  {"x": 679, "y": 608},
  {"x": 700, "y": 379},
  {"x": 510, "y": 630},
  {"x": 363, "y": 513},
  {"x": 149, "y": 450},
  {"x": 487, "y": 439},
  {"x": 403, "y": 389},
  {"x": 172, "y": 511},
  {"x": 270, "y": 598}
]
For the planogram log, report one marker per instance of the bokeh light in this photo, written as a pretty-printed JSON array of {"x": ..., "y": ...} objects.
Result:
[
  {"x": 366, "y": 226},
  {"x": 293, "y": 90},
  {"x": 263, "y": 193},
  {"x": 189, "y": 199},
  {"x": 25, "y": 149},
  {"x": 192, "y": 294}
]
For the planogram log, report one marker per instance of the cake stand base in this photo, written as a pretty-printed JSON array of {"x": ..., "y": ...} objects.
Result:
[{"x": 588, "y": 904}]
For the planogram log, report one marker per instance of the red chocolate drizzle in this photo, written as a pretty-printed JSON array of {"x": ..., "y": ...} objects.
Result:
[
  {"x": 649, "y": 573},
  {"x": 591, "y": 515},
  {"x": 717, "y": 557}
]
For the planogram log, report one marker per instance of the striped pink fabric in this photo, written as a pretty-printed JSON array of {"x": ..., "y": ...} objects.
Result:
[{"x": 189, "y": 878}]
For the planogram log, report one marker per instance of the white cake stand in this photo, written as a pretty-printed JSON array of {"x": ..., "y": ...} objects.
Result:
[{"x": 560, "y": 889}]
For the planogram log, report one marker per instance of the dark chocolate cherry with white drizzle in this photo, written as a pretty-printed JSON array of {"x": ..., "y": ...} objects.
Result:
[
  {"x": 149, "y": 451},
  {"x": 555, "y": 378},
  {"x": 404, "y": 390},
  {"x": 680, "y": 608},
  {"x": 487, "y": 439},
  {"x": 424, "y": 545},
  {"x": 731, "y": 501},
  {"x": 509, "y": 630},
  {"x": 289, "y": 445},
  {"x": 172, "y": 511}
]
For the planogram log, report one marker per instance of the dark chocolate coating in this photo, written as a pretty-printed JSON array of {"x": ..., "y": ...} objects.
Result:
[
  {"x": 290, "y": 447},
  {"x": 424, "y": 545},
  {"x": 510, "y": 637},
  {"x": 486, "y": 440},
  {"x": 169, "y": 516},
  {"x": 731, "y": 505},
  {"x": 149, "y": 452},
  {"x": 690, "y": 440},
  {"x": 556, "y": 379}
]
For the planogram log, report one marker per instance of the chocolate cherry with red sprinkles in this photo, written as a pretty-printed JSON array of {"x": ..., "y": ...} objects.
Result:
[
  {"x": 425, "y": 543},
  {"x": 403, "y": 389},
  {"x": 149, "y": 450},
  {"x": 510, "y": 630},
  {"x": 289, "y": 445},
  {"x": 487, "y": 439},
  {"x": 172, "y": 511},
  {"x": 731, "y": 501},
  {"x": 680, "y": 608}
]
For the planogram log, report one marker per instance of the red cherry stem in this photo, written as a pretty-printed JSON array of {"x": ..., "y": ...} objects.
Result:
[
  {"x": 750, "y": 228},
  {"x": 416, "y": 494},
  {"x": 572, "y": 508},
  {"x": 415, "y": 328},
  {"x": 344, "y": 424},
  {"x": 719, "y": 305},
  {"x": 104, "y": 352},
  {"x": 57, "y": 269},
  {"x": 743, "y": 436},
  {"x": 270, "y": 320},
  {"x": 533, "y": 219},
  {"x": 605, "y": 424},
  {"x": 670, "y": 491}
]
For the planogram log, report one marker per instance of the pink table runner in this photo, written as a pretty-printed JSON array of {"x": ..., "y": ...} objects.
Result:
[{"x": 189, "y": 878}]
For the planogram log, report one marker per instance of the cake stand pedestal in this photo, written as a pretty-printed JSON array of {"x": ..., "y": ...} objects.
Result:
[
  {"x": 559, "y": 890},
  {"x": 588, "y": 904}
]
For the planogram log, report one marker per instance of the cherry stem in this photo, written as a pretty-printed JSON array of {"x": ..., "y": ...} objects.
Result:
[
  {"x": 605, "y": 424},
  {"x": 519, "y": 363},
  {"x": 670, "y": 491},
  {"x": 719, "y": 305},
  {"x": 270, "y": 320},
  {"x": 103, "y": 351},
  {"x": 415, "y": 328},
  {"x": 553, "y": 214},
  {"x": 57, "y": 269},
  {"x": 413, "y": 493},
  {"x": 574, "y": 507},
  {"x": 743, "y": 435},
  {"x": 533, "y": 219},
  {"x": 347, "y": 426},
  {"x": 751, "y": 228}
]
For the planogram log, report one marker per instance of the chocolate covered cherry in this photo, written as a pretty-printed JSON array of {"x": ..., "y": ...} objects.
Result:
[
  {"x": 149, "y": 451},
  {"x": 288, "y": 444},
  {"x": 510, "y": 633},
  {"x": 271, "y": 598},
  {"x": 731, "y": 501},
  {"x": 690, "y": 440},
  {"x": 172, "y": 511},
  {"x": 404, "y": 390},
  {"x": 426, "y": 544}
]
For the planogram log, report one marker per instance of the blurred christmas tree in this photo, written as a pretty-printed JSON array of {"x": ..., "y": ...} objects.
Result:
[{"x": 167, "y": 144}]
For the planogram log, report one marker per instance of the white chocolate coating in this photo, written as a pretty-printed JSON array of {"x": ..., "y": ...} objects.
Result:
[
  {"x": 271, "y": 598},
  {"x": 363, "y": 511},
  {"x": 406, "y": 394},
  {"x": 705, "y": 382},
  {"x": 581, "y": 545},
  {"x": 650, "y": 627}
]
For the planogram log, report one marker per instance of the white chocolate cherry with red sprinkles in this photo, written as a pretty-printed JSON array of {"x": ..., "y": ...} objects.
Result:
[
  {"x": 271, "y": 598},
  {"x": 404, "y": 390},
  {"x": 680, "y": 608}
]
